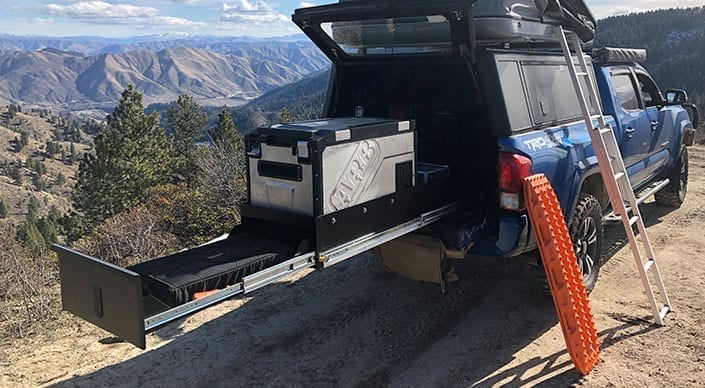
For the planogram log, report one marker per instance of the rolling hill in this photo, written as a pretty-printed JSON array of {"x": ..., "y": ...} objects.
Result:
[{"x": 73, "y": 81}]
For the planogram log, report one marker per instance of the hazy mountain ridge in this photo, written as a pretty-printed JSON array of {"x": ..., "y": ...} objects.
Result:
[
  {"x": 71, "y": 80},
  {"x": 102, "y": 45}
]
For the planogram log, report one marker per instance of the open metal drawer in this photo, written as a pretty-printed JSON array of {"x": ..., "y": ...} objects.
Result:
[
  {"x": 112, "y": 297},
  {"x": 123, "y": 301}
]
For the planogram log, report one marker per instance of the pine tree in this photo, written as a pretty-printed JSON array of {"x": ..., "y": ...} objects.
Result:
[
  {"x": 16, "y": 174},
  {"x": 225, "y": 131},
  {"x": 3, "y": 210},
  {"x": 186, "y": 123},
  {"x": 285, "y": 116},
  {"x": 32, "y": 208},
  {"x": 30, "y": 236},
  {"x": 132, "y": 156},
  {"x": 18, "y": 145},
  {"x": 60, "y": 179},
  {"x": 73, "y": 157},
  {"x": 39, "y": 183},
  {"x": 47, "y": 229}
]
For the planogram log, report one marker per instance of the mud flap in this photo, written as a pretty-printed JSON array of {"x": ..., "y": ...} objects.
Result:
[
  {"x": 417, "y": 257},
  {"x": 105, "y": 295}
]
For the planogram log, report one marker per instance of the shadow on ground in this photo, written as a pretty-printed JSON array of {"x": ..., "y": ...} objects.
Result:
[{"x": 353, "y": 325}]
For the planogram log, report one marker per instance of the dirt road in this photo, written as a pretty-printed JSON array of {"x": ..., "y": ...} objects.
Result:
[{"x": 354, "y": 325}]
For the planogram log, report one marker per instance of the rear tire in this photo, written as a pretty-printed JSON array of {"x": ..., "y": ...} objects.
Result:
[
  {"x": 673, "y": 195},
  {"x": 586, "y": 232}
]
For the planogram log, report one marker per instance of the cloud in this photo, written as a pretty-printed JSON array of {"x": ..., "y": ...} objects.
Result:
[
  {"x": 100, "y": 9},
  {"x": 305, "y": 4},
  {"x": 605, "y": 8},
  {"x": 43, "y": 20},
  {"x": 102, "y": 13},
  {"x": 251, "y": 11},
  {"x": 619, "y": 11}
]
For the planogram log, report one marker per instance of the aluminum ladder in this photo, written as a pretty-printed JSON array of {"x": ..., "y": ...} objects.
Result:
[{"x": 614, "y": 174}]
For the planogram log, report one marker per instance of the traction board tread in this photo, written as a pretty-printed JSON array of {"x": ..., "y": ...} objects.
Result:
[{"x": 564, "y": 276}]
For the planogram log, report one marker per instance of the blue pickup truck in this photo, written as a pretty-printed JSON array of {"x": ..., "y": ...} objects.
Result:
[
  {"x": 494, "y": 104},
  {"x": 434, "y": 115},
  {"x": 652, "y": 132}
]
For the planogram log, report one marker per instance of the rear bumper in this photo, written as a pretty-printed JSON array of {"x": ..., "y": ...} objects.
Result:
[{"x": 514, "y": 238}]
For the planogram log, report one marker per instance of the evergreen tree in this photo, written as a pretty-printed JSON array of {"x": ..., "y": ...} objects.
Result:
[
  {"x": 18, "y": 145},
  {"x": 39, "y": 183},
  {"x": 132, "y": 156},
  {"x": 225, "y": 131},
  {"x": 30, "y": 236},
  {"x": 186, "y": 123},
  {"x": 16, "y": 174},
  {"x": 32, "y": 208},
  {"x": 285, "y": 116},
  {"x": 3, "y": 209},
  {"x": 47, "y": 229},
  {"x": 73, "y": 157},
  {"x": 60, "y": 179}
]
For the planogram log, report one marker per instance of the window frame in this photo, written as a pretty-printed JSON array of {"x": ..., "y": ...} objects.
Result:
[
  {"x": 659, "y": 95},
  {"x": 629, "y": 73}
]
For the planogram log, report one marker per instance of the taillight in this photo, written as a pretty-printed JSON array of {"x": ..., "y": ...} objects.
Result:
[{"x": 513, "y": 169}]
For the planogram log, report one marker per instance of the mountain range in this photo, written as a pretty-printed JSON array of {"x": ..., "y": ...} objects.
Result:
[
  {"x": 222, "y": 73},
  {"x": 102, "y": 45}
]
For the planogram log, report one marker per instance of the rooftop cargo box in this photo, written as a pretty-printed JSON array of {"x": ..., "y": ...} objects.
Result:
[{"x": 531, "y": 20}]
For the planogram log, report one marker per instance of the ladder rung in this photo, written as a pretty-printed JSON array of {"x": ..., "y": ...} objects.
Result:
[
  {"x": 581, "y": 74},
  {"x": 605, "y": 130},
  {"x": 633, "y": 220},
  {"x": 649, "y": 263},
  {"x": 619, "y": 175}
]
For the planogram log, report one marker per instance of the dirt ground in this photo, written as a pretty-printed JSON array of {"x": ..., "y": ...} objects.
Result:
[{"x": 354, "y": 325}]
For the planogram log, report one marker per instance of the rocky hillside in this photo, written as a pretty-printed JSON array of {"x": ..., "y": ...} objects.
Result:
[
  {"x": 73, "y": 81},
  {"x": 37, "y": 161}
]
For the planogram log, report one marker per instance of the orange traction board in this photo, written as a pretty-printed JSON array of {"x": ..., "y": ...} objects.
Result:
[{"x": 564, "y": 276}]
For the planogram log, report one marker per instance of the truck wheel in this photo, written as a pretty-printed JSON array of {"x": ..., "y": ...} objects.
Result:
[
  {"x": 586, "y": 231},
  {"x": 673, "y": 195}
]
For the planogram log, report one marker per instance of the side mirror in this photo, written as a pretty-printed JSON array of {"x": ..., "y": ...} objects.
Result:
[{"x": 676, "y": 97}]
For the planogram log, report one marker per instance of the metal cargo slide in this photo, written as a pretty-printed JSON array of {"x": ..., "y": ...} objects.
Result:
[{"x": 130, "y": 302}]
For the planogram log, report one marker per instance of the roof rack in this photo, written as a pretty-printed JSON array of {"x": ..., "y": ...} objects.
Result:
[{"x": 618, "y": 55}]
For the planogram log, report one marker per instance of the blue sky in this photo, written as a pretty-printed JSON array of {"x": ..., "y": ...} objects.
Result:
[{"x": 120, "y": 18}]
